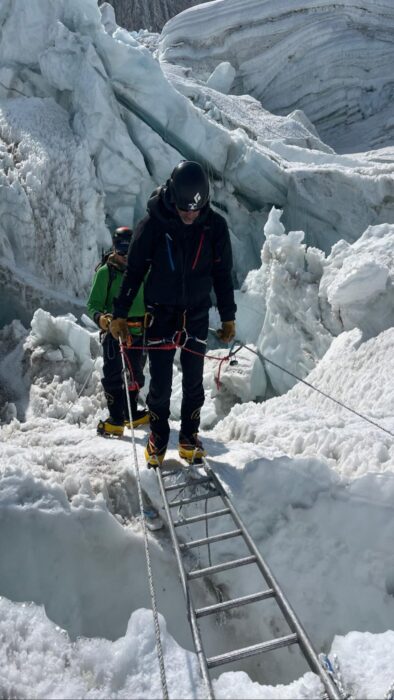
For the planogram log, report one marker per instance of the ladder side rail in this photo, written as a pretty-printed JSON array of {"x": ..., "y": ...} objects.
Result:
[
  {"x": 202, "y": 659},
  {"x": 289, "y": 614}
]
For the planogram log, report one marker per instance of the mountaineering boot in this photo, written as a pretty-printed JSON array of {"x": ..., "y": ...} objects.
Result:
[
  {"x": 152, "y": 518},
  {"x": 191, "y": 449},
  {"x": 110, "y": 427},
  {"x": 138, "y": 418},
  {"x": 155, "y": 451}
]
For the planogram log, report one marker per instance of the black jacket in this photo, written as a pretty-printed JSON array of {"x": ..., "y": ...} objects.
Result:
[{"x": 180, "y": 263}]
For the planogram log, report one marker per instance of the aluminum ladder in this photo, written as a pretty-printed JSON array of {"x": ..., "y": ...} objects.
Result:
[{"x": 213, "y": 489}]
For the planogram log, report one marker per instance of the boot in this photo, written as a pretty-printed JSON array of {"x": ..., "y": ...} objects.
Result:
[
  {"x": 191, "y": 449},
  {"x": 110, "y": 428},
  {"x": 155, "y": 451},
  {"x": 113, "y": 425},
  {"x": 139, "y": 416}
]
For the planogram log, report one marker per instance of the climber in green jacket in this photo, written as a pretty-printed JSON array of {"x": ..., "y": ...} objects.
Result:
[{"x": 105, "y": 287}]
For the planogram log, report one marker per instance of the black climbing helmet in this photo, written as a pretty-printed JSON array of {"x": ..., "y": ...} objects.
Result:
[
  {"x": 121, "y": 238},
  {"x": 189, "y": 186}
]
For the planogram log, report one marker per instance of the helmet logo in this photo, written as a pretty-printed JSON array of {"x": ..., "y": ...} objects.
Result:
[{"x": 197, "y": 199}]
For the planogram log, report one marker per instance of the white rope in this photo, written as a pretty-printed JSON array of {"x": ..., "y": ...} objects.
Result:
[
  {"x": 79, "y": 394},
  {"x": 264, "y": 359},
  {"x": 334, "y": 671},
  {"x": 159, "y": 647}
]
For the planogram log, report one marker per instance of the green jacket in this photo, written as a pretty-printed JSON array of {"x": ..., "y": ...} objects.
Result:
[{"x": 100, "y": 298}]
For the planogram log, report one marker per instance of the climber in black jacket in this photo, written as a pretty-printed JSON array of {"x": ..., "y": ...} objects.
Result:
[{"x": 182, "y": 249}]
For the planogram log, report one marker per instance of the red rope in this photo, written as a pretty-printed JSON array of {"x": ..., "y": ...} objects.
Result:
[
  {"x": 175, "y": 346},
  {"x": 217, "y": 379},
  {"x": 133, "y": 386}
]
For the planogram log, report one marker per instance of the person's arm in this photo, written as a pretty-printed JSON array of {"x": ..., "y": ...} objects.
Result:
[
  {"x": 138, "y": 262},
  {"x": 98, "y": 295},
  {"x": 222, "y": 272}
]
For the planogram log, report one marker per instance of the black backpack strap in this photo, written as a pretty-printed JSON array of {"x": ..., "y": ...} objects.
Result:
[{"x": 111, "y": 276}]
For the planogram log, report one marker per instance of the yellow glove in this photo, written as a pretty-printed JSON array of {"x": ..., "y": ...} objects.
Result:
[
  {"x": 104, "y": 321},
  {"x": 227, "y": 332},
  {"x": 119, "y": 329}
]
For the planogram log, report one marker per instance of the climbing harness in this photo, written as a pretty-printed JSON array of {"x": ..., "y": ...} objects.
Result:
[
  {"x": 174, "y": 343},
  {"x": 159, "y": 647},
  {"x": 212, "y": 488}
]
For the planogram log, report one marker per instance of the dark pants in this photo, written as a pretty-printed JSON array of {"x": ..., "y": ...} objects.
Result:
[
  {"x": 166, "y": 322},
  {"x": 112, "y": 380}
]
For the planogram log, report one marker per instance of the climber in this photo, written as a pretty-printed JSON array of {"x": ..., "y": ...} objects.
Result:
[
  {"x": 105, "y": 288},
  {"x": 182, "y": 249}
]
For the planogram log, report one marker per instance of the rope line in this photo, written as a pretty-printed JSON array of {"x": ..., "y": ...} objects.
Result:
[
  {"x": 159, "y": 647},
  {"x": 263, "y": 359},
  {"x": 171, "y": 344},
  {"x": 79, "y": 394},
  {"x": 334, "y": 671},
  {"x": 12, "y": 89}
]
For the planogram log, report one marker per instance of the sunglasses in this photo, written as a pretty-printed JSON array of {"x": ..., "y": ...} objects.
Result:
[{"x": 188, "y": 211}]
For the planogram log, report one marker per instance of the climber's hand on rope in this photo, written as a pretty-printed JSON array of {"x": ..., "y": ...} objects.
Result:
[
  {"x": 227, "y": 332},
  {"x": 105, "y": 322},
  {"x": 119, "y": 329}
]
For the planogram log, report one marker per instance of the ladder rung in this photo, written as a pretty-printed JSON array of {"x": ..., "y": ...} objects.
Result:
[
  {"x": 212, "y": 538},
  {"x": 194, "y": 499},
  {"x": 252, "y": 650},
  {"x": 192, "y": 482},
  {"x": 235, "y": 563},
  {"x": 203, "y": 516},
  {"x": 174, "y": 472},
  {"x": 235, "y": 602}
]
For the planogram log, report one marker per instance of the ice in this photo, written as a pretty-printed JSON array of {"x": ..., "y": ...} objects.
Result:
[{"x": 300, "y": 431}]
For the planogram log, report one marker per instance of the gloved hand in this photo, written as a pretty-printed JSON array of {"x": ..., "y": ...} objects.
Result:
[
  {"x": 119, "y": 329},
  {"x": 227, "y": 332},
  {"x": 104, "y": 321}
]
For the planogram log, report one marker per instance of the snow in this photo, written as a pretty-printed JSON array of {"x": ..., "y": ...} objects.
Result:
[
  {"x": 298, "y": 426},
  {"x": 347, "y": 442},
  {"x": 88, "y": 668}
]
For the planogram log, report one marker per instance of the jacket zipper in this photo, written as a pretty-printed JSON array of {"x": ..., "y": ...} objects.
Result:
[
  {"x": 198, "y": 251},
  {"x": 183, "y": 261},
  {"x": 169, "y": 251}
]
